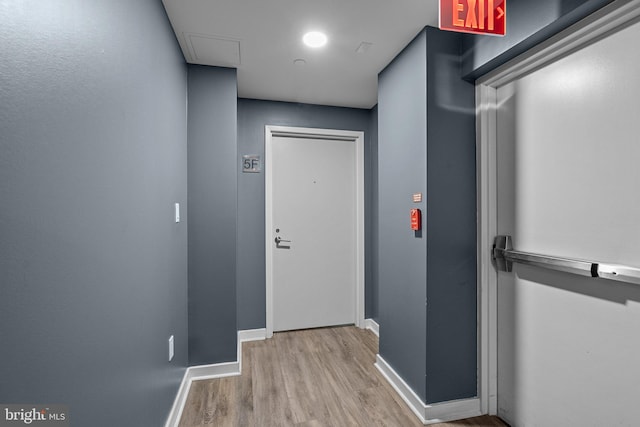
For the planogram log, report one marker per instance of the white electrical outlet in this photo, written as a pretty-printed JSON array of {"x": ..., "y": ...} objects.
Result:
[{"x": 170, "y": 348}]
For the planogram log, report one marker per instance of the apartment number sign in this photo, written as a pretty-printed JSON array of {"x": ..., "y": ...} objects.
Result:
[{"x": 251, "y": 163}]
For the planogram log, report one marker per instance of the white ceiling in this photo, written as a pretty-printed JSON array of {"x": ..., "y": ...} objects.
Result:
[{"x": 263, "y": 38}]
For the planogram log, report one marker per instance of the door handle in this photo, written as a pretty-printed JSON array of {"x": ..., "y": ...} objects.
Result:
[{"x": 279, "y": 240}]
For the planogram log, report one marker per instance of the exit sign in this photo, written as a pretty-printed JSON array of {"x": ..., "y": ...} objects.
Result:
[{"x": 474, "y": 16}]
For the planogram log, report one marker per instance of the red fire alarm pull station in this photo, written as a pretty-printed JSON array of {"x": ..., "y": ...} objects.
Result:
[{"x": 416, "y": 219}]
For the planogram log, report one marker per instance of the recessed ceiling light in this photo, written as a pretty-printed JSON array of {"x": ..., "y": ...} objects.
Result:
[{"x": 315, "y": 39}]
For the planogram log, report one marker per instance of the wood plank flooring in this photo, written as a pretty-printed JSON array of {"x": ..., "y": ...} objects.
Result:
[{"x": 316, "y": 377}]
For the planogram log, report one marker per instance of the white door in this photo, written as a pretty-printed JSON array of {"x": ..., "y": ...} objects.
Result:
[
  {"x": 313, "y": 229},
  {"x": 568, "y": 171}
]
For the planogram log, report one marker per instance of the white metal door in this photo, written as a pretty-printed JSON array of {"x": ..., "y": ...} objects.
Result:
[
  {"x": 568, "y": 158},
  {"x": 313, "y": 233}
]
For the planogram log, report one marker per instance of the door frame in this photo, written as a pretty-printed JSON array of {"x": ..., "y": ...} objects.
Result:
[
  {"x": 597, "y": 25},
  {"x": 312, "y": 133}
]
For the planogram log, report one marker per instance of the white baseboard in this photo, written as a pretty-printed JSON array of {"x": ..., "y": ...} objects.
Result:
[
  {"x": 216, "y": 370},
  {"x": 402, "y": 388},
  {"x": 433, "y": 413},
  {"x": 453, "y": 410},
  {"x": 246, "y": 336},
  {"x": 178, "y": 403},
  {"x": 252, "y": 335},
  {"x": 195, "y": 373},
  {"x": 206, "y": 372},
  {"x": 373, "y": 326}
]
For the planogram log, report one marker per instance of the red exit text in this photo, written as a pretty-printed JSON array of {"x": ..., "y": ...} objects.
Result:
[{"x": 474, "y": 16}]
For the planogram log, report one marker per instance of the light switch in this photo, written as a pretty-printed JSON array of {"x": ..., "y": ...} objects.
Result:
[
  {"x": 171, "y": 353},
  {"x": 177, "y": 211}
]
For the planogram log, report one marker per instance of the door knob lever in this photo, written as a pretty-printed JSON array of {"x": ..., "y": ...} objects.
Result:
[{"x": 279, "y": 240}]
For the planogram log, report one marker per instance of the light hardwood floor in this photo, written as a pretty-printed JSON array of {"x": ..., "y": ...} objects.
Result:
[{"x": 316, "y": 377}]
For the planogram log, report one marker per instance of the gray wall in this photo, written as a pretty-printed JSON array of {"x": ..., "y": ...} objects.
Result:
[
  {"x": 451, "y": 223},
  {"x": 253, "y": 115},
  {"x": 427, "y": 279},
  {"x": 93, "y": 269},
  {"x": 402, "y": 162},
  {"x": 212, "y": 214},
  {"x": 528, "y": 23}
]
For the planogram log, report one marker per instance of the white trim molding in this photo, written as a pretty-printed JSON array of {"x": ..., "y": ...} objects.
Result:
[
  {"x": 246, "y": 336},
  {"x": 432, "y": 413},
  {"x": 358, "y": 138},
  {"x": 373, "y": 326},
  {"x": 195, "y": 373},
  {"x": 252, "y": 335},
  {"x": 178, "y": 403},
  {"x": 207, "y": 372}
]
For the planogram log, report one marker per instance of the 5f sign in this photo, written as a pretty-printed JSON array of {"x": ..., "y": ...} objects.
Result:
[
  {"x": 251, "y": 163},
  {"x": 474, "y": 16}
]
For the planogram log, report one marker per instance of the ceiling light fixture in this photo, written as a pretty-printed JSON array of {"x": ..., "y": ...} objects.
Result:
[{"x": 315, "y": 39}]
